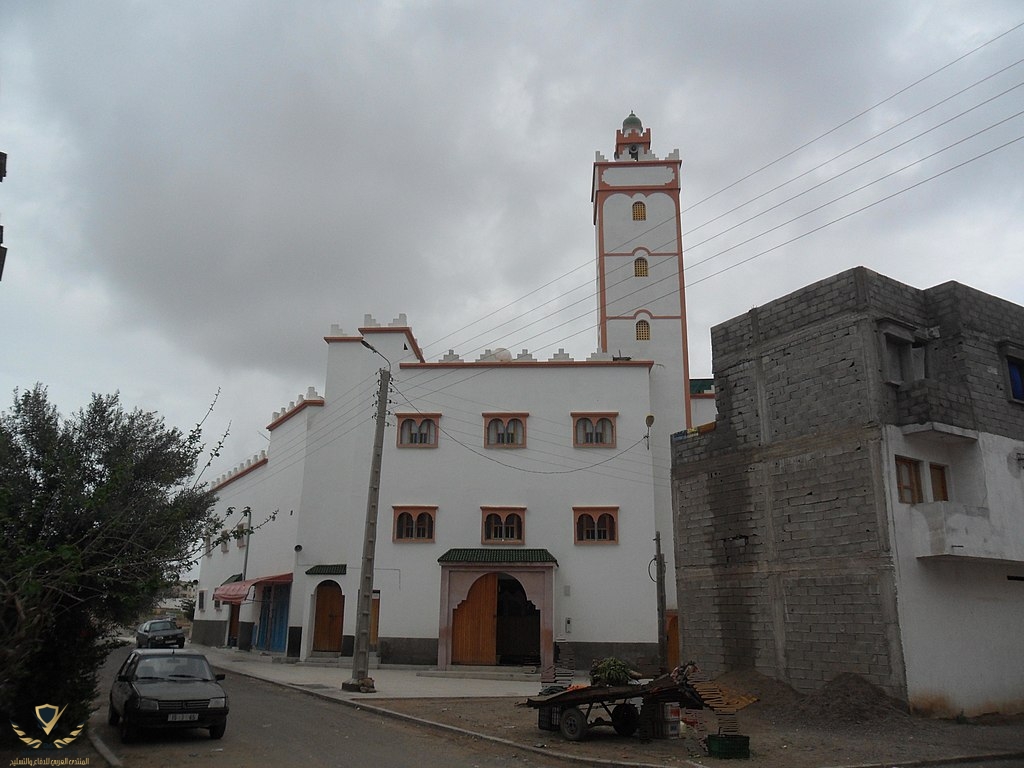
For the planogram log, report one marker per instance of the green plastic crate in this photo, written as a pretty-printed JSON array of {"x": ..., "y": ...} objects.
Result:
[{"x": 727, "y": 745}]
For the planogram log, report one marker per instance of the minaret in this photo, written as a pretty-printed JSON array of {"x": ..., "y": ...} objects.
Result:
[{"x": 641, "y": 301}]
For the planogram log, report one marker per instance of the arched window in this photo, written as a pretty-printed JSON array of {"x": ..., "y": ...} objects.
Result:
[
  {"x": 594, "y": 430},
  {"x": 639, "y": 211},
  {"x": 586, "y": 530},
  {"x": 505, "y": 431},
  {"x": 502, "y": 526},
  {"x": 643, "y": 330},
  {"x": 404, "y": 528},
  {"x": 425, "y": 526},
  {"x": 640, "y": 267},
  {"x": 414, "y": 523},
  {"x": 596, "y": 525},
  {"x": 418, "y": 430}
]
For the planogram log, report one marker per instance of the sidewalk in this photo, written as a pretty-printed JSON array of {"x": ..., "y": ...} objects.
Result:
[{"x": 391, "y": 682}]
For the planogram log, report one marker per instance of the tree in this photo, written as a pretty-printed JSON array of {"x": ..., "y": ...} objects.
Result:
[{"x": 98, "y": 512}]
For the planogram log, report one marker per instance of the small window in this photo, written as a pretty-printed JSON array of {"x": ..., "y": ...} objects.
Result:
[
  {"x": 594, "y": 430},
  {"x": 418, "y": 431},
  {"x": 640, "y": 267},
  {"x": 596, "y": 525},
  {"x": 240, "y": 535},
  {"x": 224, "y": 538},
  {"x": 415, "y": 524},
  {"x": 908, "y": 480},
  {"x": 639, "y": 211},
  {"x": 940, "y": 489},
  {"x": 1015, "y": 368},
  {"x": 505, "y": 430},
  {"x": 502, "y": 525},
  {"x": 643, "y": 330},
  {"x": 201, "y": 600}
]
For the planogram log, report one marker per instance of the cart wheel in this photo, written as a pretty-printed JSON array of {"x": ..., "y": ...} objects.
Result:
[
  {"x": 625, "y": 719},
  {"x": 573, "y": 724}
]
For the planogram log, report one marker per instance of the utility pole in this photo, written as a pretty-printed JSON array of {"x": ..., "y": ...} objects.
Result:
[
  {"x": 361, "y": 653},
  {"x": 659, "y": 560}
]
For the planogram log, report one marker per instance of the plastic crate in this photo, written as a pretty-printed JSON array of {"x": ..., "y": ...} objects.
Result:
[
  {"x": 548, "y": 718},
  {"x": 727, "y": 745}
]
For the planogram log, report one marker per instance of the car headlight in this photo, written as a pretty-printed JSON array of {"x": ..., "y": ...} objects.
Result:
[
  {"x": 219, "y": 703},
  {"x": 149, "y": 704}
]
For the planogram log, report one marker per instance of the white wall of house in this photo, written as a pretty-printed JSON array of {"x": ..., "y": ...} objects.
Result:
[{"x": 960, "y": 572}]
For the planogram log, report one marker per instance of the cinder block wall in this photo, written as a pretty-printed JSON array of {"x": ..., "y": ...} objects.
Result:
[{"x": 782, "y": 540}]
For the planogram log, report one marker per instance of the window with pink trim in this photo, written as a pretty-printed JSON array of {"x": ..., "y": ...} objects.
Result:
[
  {"x": 596, "y": 525},
  {"x": 501, "y": 525},
  {"x": 414, "y": 524},
  {"x": 505, "y": 430}
]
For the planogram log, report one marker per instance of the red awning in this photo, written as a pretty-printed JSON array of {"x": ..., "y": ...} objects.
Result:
[{"x": 237, "y": 591}]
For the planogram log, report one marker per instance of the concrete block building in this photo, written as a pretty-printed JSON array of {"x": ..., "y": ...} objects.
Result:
[
  {"x": 519, "y": 495},
  {"x": 858, "y": 504}
]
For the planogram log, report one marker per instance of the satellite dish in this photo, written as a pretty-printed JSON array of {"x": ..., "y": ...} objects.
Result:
[{"x": 502, "y": 355}]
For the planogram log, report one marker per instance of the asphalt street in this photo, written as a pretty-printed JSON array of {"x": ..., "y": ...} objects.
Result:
[{"x": 274, "y": 726}]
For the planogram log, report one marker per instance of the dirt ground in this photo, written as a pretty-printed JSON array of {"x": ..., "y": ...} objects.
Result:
[{"x": 848, "y": 722}]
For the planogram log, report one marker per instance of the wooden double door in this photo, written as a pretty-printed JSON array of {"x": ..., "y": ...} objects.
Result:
[{"x": 496, "y": 624}]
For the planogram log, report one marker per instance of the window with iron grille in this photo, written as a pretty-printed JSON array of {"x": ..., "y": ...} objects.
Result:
[
  {"x": 418, "y": 430},
  {"x": 643, "y": 330},
  {"x": 640, "y": 267},
  {"x": 596, "y": 525},
  {"x": 594, "y": 430},
  {"x": 639, "y": 211}
]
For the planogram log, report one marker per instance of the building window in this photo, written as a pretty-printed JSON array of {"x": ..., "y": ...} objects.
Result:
[
  {"x": 418, "y": 430},
  {"x": 594, "y": 430},
  {"x": 940, "y": 488},
  {"x": 240, "y": 535},
  {"x": 502, "y": 525},
  {"x": 414, "y": 524},
  {"x": 908, "y": 480},
  {"x": 1015, "y": 368},
  {"x": 208, "y": 544},
  {"x": 225, "y": 537},
  {"x": 640, "y": 267},
  {"x": 639, "y": 211},
  {"x": 643, "y": 330},
  {"x": 201, "y": 600},
  {"x": 506, "y": 430},
  {"x": 904, "y": 353},
  {"x": 596, "y": 525}
]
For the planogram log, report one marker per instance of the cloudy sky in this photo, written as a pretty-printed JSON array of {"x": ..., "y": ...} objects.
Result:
[{"x": 196, "y": 191}]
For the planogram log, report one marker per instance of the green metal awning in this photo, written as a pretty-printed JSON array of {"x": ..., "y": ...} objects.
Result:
[
  {"x": 330, "y": 569},
  {"x": 232, "y": 579},
  {"x": 497, "y": 555}
]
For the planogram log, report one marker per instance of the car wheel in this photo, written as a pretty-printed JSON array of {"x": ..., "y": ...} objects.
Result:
[
  {"x": 217, "y": 731},
  {"x": 181, "y": 643},
  {"x": 113, "y": 718}
]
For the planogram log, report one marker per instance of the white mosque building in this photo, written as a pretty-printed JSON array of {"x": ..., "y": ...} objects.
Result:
[{"x": 519, "y": 498}]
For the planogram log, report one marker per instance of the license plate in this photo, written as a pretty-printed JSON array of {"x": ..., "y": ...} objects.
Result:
[{"x": 182, "y": 717}]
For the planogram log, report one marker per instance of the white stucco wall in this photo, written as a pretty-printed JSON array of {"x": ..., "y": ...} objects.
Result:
[{"x": 961, "y": 615}]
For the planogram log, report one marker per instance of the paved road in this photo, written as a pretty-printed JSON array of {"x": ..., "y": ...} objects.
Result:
[{"x": 274, "y": 726}]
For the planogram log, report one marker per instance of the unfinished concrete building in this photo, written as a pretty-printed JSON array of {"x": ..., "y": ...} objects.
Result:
[{"x": 858, "y": 505}]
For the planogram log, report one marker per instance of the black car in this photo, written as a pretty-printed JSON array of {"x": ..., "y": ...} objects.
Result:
[
  {"x": 167, "y": 689},
  {"x": 159, "y": 633}
]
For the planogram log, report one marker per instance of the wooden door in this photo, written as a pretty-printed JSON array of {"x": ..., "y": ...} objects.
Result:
[
  {"x": 329, "y": 619},
  {"x": 672, "y": 630},
  {"x": 474, "y": 624},
  {"x": 374, "y": 620},
  {"x": 233, "y": 625}
]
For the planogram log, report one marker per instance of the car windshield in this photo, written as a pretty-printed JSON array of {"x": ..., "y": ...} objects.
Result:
[
  {"x": 174, "y": 668},
  {"x": 159, "y": 626}
]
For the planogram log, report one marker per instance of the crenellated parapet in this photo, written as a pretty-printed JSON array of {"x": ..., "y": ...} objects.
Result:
[
  {"x": 311, "y": 398},
  {"x": 253, "y": 462}
]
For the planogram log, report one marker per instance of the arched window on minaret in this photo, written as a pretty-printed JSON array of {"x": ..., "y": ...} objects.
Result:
[
  {"x": 640, "y": 267},
  {"x": 639, "y": 211},
  {"x": 643, "y": 330}
]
